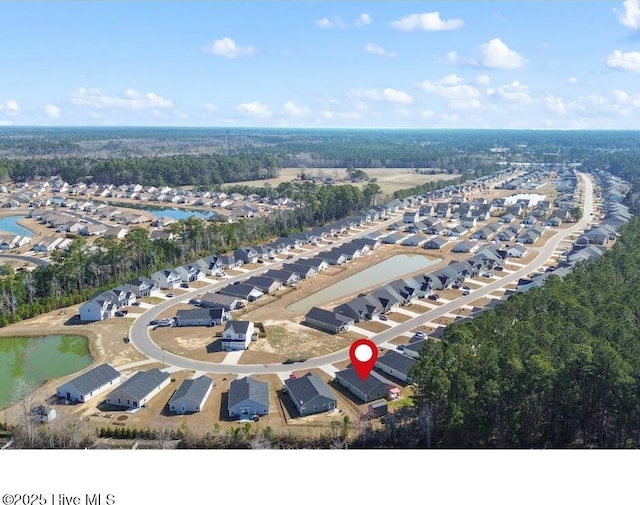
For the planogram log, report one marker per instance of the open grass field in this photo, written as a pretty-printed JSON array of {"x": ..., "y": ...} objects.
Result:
[{"x": 389, "y": 179}]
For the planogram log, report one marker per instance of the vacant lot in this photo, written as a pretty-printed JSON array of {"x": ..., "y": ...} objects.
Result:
[{"x": 389, "y": 179}]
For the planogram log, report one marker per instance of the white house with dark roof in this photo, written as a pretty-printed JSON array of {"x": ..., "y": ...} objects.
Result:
[
  {"x": 97, "y": 309},
  {"x": 247, "y": 398},
  {"x": 237, "y": 335},
  {"x": 310, "y": 394},
  {"x": 201, "y": 317},
  {"x": 214, "y": 300},
  {"x": 191, "y": 395},
  {"x": 139, "y": 389},
  {"x": 89, "y": 384}
]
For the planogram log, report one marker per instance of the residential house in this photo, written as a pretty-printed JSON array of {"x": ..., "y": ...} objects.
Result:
[
  {"x": 201, "y": 316},
  {"x": 97, "y": 309},
  {"x": 435, "y": 243},
  {"x": 248, "y": 398},
  {"x": 333, "y": 257},
  {"x": 393, "y": 238},
  {"x": 517, "y": 251},
  {"x": 244, "y": 291},
  {"x": 191, "y": 395},
  {"x": 318, "y": 263},
  {"x": 246, "y": 255},
  {"x": 395, "y": 364},
  {"x": 372, "y": 388},
  {"x": 143, "y": 286},
  {"x": 410, "y": 217},
  {"x": 167, "y": 279},
  {"x": 327, "y": 321},
  {"x": 465, "y": 246},
  {"x": 287, "y": 277},
  {"x": 415, "y": 241},
  {"x": 265, "y": 284},
  {"x": 408, "y": 290},
  {"x": 217, "y": 300},
  {"x": 191, "y": 272},
  {"x": 237, "y": 335},
  {"x": 304, "y": 271},
  {"x": 139, "y": 389},
  {"x": 89, "y": 384},
  {"x": 361, "y": 308},
  {"x": 310, "y": 395},
  {"x": 210, "y": 264}
]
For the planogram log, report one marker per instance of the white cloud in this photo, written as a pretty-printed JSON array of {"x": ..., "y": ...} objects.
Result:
[
  {"x": 630, "y": 15},
  {"x": 329, "y": 23},
  {"x": 483, "y": 80},
  {"x": 428, "y": 21},
  {"x": 52, "y": 111},
  {"x": 496, "y": 54},
  {"x": 427, "y": 114},
  {"x": 209, "y": 107},
  {"x": 131, "y": 100},
  {"x": 294, "y": 110},
  {"x": 620, "y": 96},
  {"x": 556, "y": 105},
  {"x": 363, "y": 19},
  {"x": 4, "y": 122},
  {"x": 626, "y": 61},
  {"x": 459, "y": 96},
  {"x": 514, "y": 92},
  {"x": 10, "y": 107},
  {"x": 227, "y": 48},
  {"x": 256, "y": 109},
  {"x": 572, "y": 80},
  {"x": 378, "y": 50},
  {"x": 452, "y": 57},
  {"x": 385, "y": 95}
]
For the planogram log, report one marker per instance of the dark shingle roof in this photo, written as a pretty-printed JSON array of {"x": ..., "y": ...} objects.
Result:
[
  {"x": 397, "y": 361},
  {"x": 367, "y": 386},
  {"x": 248, "y": 389},
  {"x": 237, "y": 326},
  {"x": 94, "y": 379},
  {"x": 328, "y": 317},
  {"x": 193, "y": 389},
  {"x": 143, "y": 382},
  {"x": 305, "y": 389}
]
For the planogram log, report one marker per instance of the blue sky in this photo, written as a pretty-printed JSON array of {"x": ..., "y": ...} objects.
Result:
[{"x": 544, "y": 64}]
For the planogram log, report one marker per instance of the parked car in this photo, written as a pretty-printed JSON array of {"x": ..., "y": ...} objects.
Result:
[
  {"x": 419, "y": 334},
  {"x": 383, "y": 318},
  {"x": 290, "y": 257},
  {"x": 433, "y": 297},
  {"x": 465, "y": 293},
  {"x": 170, "y": 294},
  {"x": 119, "y": 313},
  {"x": 486, "y": 274},
  {"x": 184, "y": 284},
  {"x": 136, "y": 303},
  {"x": 400, "y": 347},
  {"x": 220, "y": 274},
  {"x": 466, "y": 288},
  {"x": 260, "y": 260},
  {"x": 498, "y": 268}
]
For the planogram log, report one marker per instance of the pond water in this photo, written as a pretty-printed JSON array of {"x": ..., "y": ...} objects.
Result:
[
  {"x": 9, "y": 224},
  {"x": 176, "y": 213},
  {"x": 387, "y": 270},
  {"x": 36, "y": 359}
]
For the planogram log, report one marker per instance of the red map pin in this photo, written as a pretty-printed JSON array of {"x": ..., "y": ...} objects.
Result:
[{"x": 363, "y": 355}]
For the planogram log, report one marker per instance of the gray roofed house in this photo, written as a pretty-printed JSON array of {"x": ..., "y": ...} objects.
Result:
[
  {"x": 310, "y": 394},
  {"x": 139, "y": 389},
  {"x": 435, "y": 243},
  {"x": 213, "y": 300},
  {"x": 264, "y": 284},
  {"x": 247, "y": 398},
  {"x": 372, "y": 388},
  {"x": 327, "y": 321},
  {"x": 316, "y": 262},
  {"x": 191, "y": 395},
  {"x": 333, "y": 257},
  {"x": 408, "y": 290},
  {"x": 244, "y": 291},
  {"x": 287, "y": 277},
  {"x": 89, "y": 384},
  {"x": 361, "y": 308},
  {"x": 201, "y": 317},
  {"x": 395, "y": 364},
  {"x": 304, "y": 271}
]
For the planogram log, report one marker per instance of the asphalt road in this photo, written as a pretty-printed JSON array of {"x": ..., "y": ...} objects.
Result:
[
  {"x": 140, "y": 338},
  {"x": 22, "y": 257}
]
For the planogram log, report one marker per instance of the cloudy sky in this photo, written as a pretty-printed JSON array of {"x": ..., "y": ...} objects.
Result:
[{"x": 543, "y": 64}]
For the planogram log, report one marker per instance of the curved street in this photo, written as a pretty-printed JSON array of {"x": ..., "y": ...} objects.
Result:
[{"x": 140, "y": 338}]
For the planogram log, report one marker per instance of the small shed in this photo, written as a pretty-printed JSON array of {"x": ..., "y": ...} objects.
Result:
[{"x": 377, "y": 409}]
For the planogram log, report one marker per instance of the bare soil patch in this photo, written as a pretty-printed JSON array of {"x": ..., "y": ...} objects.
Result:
[
  {"x": 398, "y": 317},
  {"x": 374, "y": 326},
  {"x": 418, "y": 309}
]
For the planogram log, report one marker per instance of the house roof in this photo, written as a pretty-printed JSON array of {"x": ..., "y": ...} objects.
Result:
[
  {"x": 305, "y": 389},
  {"x": 328, "y": 317},
  {"x": 193, "y": 389},
  {"x": 143, "y": 382},
  {"x": 282, "y": 275},
  {"x": 200, "y": 313},
  {"x": 247, "y": 388},
  {"x": 396, "y": 361},
  {"x": 94, "y": 379},
  {"x": 367, "y": 386},
  {"x": 238, "y": 326},
  {"x": 219, "y": 298}
]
